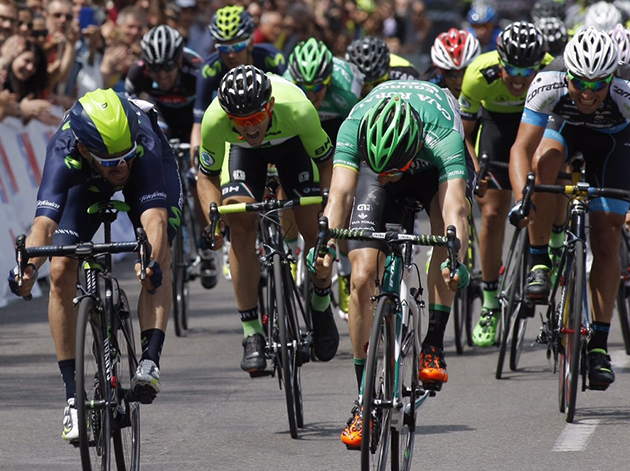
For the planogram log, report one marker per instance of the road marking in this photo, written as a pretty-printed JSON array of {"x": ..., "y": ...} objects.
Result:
[{"x": 575, "y": 437}]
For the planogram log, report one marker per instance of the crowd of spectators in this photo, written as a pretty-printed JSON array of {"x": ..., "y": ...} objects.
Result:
[{"x": 53, "y": 51}]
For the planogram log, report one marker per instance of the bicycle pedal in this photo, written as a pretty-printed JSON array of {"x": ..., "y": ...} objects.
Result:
[
  {"x": 598, "y": 387},
  {"x": 260, "y": 374},
  {"x": 432, "y": 387},
  {"x": 353, "y": 448},
  {"x": 143, "y": 395}
]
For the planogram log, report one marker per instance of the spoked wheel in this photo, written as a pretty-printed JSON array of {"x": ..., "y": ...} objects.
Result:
[
  {"x": 573, "y": 327},
  {"x": 378, "y": 392},
  {"x": 623, "y": 295},
  {"x": 460, "y": 307},
  {"x": 518, "y": 338},
  {"x": 93, "y": 415},
  {"x": 180, "y": 283},
  {"x": 511, "y": 292},
  {"x": 288, "y": 342},
  {"x": 126, "y": 418},
  {"x": 403, "y": 435}
]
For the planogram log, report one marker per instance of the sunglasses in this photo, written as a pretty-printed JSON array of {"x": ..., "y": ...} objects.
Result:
[
  {"x": 253, "y": 119},
  {"x": 165, "y": 66},
  {"x": 59, "y": 15},
  {"x": 39, "y": 33},
  {"x": 315, "y": 87},
  {"x": 513, "y": 71},
  {"x": 236, "y": 48},
  {"x": 454, "y": 75},
  {"x": 583, "y": 85},
  {"x": 4, "y": 18},
  {"x": 116, "y": 161},
  {"x": 395, "y": 172}
]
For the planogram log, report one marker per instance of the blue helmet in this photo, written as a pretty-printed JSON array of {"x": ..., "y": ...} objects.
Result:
[{"x": 482, "y": 14}]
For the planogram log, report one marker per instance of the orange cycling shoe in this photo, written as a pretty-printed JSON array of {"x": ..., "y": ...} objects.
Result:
[
  {"x": 432, "y": 365},
  {"x": 353, "y": 433}
]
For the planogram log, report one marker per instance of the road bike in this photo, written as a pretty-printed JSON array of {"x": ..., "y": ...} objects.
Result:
[
  {"x": 392, "y": 393},
  {"x": 568, "y": 323},
  {"x": 286, "y": 321},
  {"x": 623, "y": 295},
  {"x": 108, "y": 410}
]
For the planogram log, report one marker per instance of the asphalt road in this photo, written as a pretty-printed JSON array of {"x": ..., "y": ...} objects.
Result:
[{"x": 212, "y": 416}]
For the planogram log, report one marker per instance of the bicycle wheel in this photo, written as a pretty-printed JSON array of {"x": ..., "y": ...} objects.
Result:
[
  {"x": 378, "y": 392},
  {"x": 460, "y": 308},
  {"x": 510, "y": 293},
  {"x": 623, "y": 295},
  {"x": 403, "y": 438},
  {"x": 180, "y": 284},
  {"x": 522, "y": 310},
  {"x": 92, "y": 391},
  {"x": 126, "y": 417},
  {"x": 287, "y": 344},
  {"x": 573, "y": 313}
]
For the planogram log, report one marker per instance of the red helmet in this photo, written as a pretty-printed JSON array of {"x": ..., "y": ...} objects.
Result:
[{"x": 454, "y": 50}]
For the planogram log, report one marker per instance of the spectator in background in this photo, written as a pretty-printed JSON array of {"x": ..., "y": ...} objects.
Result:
[
  {"x": 172, "y": 13},
  {"x": 8, "y": 19},
  {"x": 62, "y": 36},
  {"x": 270, "y": 28},
  {"x": 25, "y": 74},
  {"x": 39, "y": 32},
  {"x": 417, "y": 30},
  {"x": 36, "y": 6},
  {"x": 300, "y": 25},
  {"x": 25, "y": 20},
  {"x": 194, "y": 26}
]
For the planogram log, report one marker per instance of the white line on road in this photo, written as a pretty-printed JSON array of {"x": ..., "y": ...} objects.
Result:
[{"x": 575, "y": 437}]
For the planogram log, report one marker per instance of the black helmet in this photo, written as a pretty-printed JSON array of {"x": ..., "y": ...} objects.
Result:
[
  {"x": 244, "y": 90},
  {"x": 548, "y": 9},
  {"x": 555, "y": 33},
  {"x": 521, "y": 44},
  {"x": 371, "y": 56},
  {"x": 162, "y": 45}
]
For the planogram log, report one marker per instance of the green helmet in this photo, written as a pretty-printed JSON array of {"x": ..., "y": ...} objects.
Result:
[
  {"x": 231, "y": 23},
  {"x": 310, "y": 62},
  {"x": 389, "y": 134}
]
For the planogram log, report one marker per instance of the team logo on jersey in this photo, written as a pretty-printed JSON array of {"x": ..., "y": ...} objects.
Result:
[
  {"x": 238, "y": 175},
  {"x": 303, "y": 177},
  {"x": 206, "y": 159}
]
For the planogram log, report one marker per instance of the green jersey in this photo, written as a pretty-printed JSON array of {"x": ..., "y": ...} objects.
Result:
[
  {"x": 344, "y": 91},
  {"x": 442, "y": 131},
  {"x": 293, "y": 115},
  {"x": 483, "y": 86}
]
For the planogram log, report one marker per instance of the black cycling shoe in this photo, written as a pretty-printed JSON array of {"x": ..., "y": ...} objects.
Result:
[
  {"x": 538, "y": 284},
  {"x": 254, "y": 354},
  {"x": 208, "y": 269},
  {"x": 600, "y": 373},
  {"x": 325, "y": 334}
]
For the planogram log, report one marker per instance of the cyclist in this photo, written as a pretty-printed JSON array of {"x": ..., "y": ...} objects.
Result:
[
  {"x": 265, "y": 119},
  {"x": 105, "y": 143},
  {"x": 232, "y": 28},
  {"x": 334, "y": 87},
  {"x": 451, "y": 53},
  {"x": 585, "y": 108},
  {"x": 495, "y": 86},
  {"x": 405, "y": 139},
  {"x": 548, "y": 9},
  {"x": 483, "y": 21},
  {"x": 166, "y": 76},
  {"x": 555, "y": 33},
  {"x": 373, "y": 59}
]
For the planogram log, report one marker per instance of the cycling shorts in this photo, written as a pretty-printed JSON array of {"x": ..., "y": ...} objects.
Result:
[
  {"x": 497, "y": 133},
  {"x": 244, "y": 172},
  {"x": 605, "y": 157}
]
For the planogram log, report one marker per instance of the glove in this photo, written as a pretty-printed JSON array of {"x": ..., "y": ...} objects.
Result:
[
  {"x": 514, "y": 216},
  {"x": 13, "y": 273},
  {"x": 462, "y": 271},
  {"x": 311, "y": 260},
  {"x": 156, "y": 276}
]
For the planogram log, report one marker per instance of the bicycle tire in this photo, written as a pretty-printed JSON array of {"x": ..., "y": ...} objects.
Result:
[
  {"x": 94, "y": 423},
  {"x": 379, "y": 388},
  {"x": 460, "y": 307},
  {"x": 623, "y": 294},
  {"x": 408, "y": 389},
  {"x": 287, "y": 354},
  {"x": 513, "y": 274},
  {"x": 126, "y": 418},
  {"x": 522, "y": 311},
  {"x": 573, "y": 338},
  {"x": 180, "y": 283},
  {"x": 475, "y": 289}
]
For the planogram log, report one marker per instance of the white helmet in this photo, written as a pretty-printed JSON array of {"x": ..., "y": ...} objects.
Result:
[
  {"x": 602, "y": 15},
  {"x": 621, "y": 37},
  {"x": 591, "y": 54},
  {"x": 454, "y": 49}
]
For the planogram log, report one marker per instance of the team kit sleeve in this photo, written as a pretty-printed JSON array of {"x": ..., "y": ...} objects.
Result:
[
  {"x": 449, "y": 157},
  {"x": 314, "y": 139},
  {"x": 346, "y": 150}
]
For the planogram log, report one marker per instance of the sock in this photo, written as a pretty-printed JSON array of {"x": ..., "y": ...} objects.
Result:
[
  {"x": 438, "y": 318},
  {"x": 359, "y": 367},
  {"x": 320, "y": 300},
  {"x": 152, "y": 341},
  {"x": 344, "y": 268},
  {"x": 292, "y": 245},
  {"x": 557, "y": 237},
  {"x": 68, "y": 368},
  {"x": 251, "y": 322},
  {"x": 599, "y": 339},
  {"x": 540, "y": 255},
  {"x": 490, "y": 292}
]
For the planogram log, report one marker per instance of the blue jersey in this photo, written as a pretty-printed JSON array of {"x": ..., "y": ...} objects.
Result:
[
  {"x": 65, "y": 169},
  {"x": 266, "y": 57}
]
